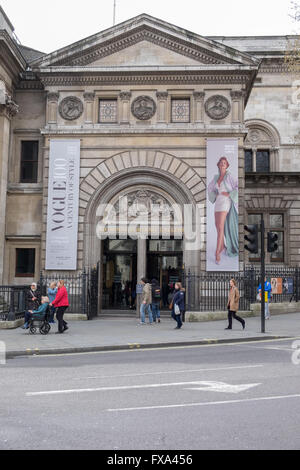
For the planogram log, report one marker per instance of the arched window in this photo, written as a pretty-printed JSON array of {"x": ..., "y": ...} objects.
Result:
[{"x": 261, "y": 147}]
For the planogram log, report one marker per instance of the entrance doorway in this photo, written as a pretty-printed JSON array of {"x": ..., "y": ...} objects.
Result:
[
  {"x": 165, "y": 263},
  {"x": 119, "y": 274}
]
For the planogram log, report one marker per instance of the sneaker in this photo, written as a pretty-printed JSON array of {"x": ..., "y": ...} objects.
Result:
[
  {"x": 142, "y": 323},
  {"x": 25, "y": 327}
]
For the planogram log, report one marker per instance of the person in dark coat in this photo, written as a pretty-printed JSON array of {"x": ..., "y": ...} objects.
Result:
[
  {"x": 33, "y": 297},
  {"x": 179, "y": 302},
  {"x": 156, "y": 297}
]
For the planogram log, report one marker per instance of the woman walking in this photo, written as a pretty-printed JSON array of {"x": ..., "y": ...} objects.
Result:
[
  {"x": 178, "y": 304},
  {"x": 233, "y": 305},
  {"x": 61, "y": 302}
]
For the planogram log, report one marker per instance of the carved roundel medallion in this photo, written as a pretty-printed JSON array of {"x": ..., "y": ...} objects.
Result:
[
  {"x": 71, "y": 108},
  {"x": 143, "y": 108},
  {"x": 217, "y": 107}
]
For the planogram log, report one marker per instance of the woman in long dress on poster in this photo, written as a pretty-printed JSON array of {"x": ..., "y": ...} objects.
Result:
[{"x": 223, "y": 192}]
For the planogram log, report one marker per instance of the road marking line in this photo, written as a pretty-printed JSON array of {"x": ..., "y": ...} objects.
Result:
[
  {"x": 106, "y": 389},
  {"x": 187, "y": 371},
  {"x": 209, "y": 403}
]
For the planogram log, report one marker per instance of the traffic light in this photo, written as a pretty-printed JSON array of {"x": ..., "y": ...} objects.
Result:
[
  {"x": 272, "y": 239},
  {"x": 252, "y": 238}
]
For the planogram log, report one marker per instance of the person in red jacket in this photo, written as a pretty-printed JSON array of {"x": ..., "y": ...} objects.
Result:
[{"x": 61, "y": 302}]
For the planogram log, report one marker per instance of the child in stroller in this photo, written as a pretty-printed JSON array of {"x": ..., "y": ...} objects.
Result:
[{"x": 39, "y": 318}]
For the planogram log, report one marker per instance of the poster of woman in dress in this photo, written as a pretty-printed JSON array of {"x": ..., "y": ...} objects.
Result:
[{"x": 222, "y": 205}]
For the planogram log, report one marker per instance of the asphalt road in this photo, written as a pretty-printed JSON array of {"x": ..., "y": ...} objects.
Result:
[{"x": 241, "y": 396}]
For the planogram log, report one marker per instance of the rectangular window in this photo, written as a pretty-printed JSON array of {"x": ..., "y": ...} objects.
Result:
[
  {"x": 181, "y": 110},
  {"x": 25, "y": 262},
  {"x": 248, "y": 161},
  {"x": 29, "y": 161},
  {"x": 108, "y": 111},
  {"x": 263, "y": 161}
]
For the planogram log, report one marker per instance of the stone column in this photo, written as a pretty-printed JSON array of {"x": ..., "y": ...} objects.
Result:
[
  {"x": 52, "y": 107},
  {"x": 237, "y": 106},
  {"x": 162, "y": 98},
  {"x": 125, "y": 107},
  {"x": 141, "y": 267},
  {"x": 89, "y": 99},
  {"x": 199, "y": 106},
  {"x": 8, "y": 109}
]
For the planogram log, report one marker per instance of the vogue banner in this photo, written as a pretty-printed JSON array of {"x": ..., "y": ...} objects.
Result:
[
  {"x": 63, "y": 205},
  {"x": 222, "y": 252}
]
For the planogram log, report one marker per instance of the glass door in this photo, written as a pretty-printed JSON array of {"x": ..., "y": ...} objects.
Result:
[
  {"x": 165, "y": 263},
  {"x": 119, "y": 274}
]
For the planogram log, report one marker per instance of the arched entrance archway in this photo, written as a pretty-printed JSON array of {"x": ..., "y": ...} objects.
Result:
[{"x": 142, "y": 184}]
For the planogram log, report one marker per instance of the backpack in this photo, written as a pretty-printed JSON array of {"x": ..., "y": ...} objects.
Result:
[{"x": 156, "y": 292}]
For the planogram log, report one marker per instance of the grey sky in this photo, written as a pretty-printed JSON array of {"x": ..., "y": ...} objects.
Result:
[{"x": 48, "y": 26}]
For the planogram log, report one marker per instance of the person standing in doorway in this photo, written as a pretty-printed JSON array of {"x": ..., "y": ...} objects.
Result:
[
  {"x": 61, "y": 302},
  {"x": 156, "y": 297},
  {"x": 178, "y": 304},
  {"x": 233, "y": 305},
  {"x": 146, "y": 301},
  {"x": 52, "y": 291}
]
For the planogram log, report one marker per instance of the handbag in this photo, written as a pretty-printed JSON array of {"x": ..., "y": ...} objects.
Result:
[{"x": 177, "y": 310}]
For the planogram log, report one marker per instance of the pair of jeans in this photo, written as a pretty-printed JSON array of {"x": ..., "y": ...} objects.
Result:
[
  {"x": 143, "y": 313},
  {"x": 267, "y": 310},
  {"x": 155, "y": 310},
  {"x": 231, "y": 315},
  {"x": 28, "y": 315},
  {"x": 52, "y": 313},
  {"x": 177, "y": 318},
  {"x": 60, "y": 318}
]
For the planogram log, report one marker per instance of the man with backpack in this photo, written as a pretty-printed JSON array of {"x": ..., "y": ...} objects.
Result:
[{"x": 156, "y": 297}]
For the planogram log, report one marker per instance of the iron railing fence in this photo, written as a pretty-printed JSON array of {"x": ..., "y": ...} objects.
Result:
[
  {"x": 12, "y": 302},
  {"x": 208, "y": 292},
  {"x": 76, "y": 285}
]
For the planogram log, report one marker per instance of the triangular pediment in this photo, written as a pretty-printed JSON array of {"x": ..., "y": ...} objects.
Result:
[{"x": 144, "y": 41}]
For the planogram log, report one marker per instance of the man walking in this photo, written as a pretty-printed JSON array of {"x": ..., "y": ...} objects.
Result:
[{"x": 146, "y": 302}]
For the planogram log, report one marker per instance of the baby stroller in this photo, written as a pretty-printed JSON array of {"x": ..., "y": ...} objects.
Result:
[{"x": 41, "y": 322}]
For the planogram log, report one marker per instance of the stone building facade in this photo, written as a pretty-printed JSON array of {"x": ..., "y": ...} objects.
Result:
[{"x": 136, "y": 96}]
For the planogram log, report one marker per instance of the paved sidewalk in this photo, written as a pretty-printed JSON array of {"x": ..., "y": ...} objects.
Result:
[{"x": 120, "y": 333}]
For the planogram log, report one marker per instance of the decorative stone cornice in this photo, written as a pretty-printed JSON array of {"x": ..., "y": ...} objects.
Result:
[
  {"x": 10, "y": 108},
  {"x": 278, "y": 179},
  {"x": 83, "y": 78}
]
